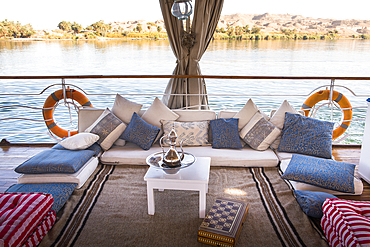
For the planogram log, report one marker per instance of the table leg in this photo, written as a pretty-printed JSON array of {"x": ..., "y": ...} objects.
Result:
[
  {"x": 150, "y": 195},
  {"x": 202, "y": 202}
]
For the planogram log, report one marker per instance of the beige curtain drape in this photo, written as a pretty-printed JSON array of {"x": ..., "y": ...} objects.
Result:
[{"x": 206, "y": 16}]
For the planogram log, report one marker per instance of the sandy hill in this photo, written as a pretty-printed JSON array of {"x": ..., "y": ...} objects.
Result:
[{"x": 270, "y": 23}]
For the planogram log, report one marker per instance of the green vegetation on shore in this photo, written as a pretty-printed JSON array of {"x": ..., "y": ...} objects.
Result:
[
  {"x": 69, "y": 30},
  {"x": 15, "y": 30}
]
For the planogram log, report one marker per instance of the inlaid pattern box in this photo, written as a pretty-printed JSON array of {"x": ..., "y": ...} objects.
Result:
[{"x": 223, "y": 223}]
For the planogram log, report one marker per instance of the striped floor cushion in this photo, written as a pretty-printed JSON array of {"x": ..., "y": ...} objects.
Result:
[
  {"x": 41, "y": 230},
  {"x": 346, "y": 223},
  {"x": 20, "y": 215}
]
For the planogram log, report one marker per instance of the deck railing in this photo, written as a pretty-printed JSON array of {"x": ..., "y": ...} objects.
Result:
[{"x": 332, "y": 84}]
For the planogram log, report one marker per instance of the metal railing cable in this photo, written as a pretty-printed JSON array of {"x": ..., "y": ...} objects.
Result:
[{"x": 68, "y": 103}]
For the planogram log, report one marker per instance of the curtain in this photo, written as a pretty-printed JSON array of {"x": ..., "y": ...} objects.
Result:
[{"x": 206, "y": 16}]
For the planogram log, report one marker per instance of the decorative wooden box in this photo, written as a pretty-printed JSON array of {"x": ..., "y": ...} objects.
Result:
[{"x": 223, "y": 223}]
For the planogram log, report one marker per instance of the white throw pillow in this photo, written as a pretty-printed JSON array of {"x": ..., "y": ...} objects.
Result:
[
  {"x": 246, "y": 113},
  {"x": 157, "y": 112},
  {"x": 79, "y": 141},
  {"x": 279, "y": 117},
  {"x": 108, "y": 127},
  {"x": 193, "y": 133},
  {"x": 124, "y": 108},
  {"x": 259, "y": 133}
]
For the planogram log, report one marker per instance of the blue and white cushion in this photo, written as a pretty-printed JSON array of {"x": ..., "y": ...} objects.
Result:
[
  {"x": 140, "y": 132},
  {"x": 108, "y": 127},
  {"x": 305, "y": 135},
  {"x": 311, "y": 201},
  {"x": 225, "y": 133},
  {"x": 55, "y": 161},
  {"x": 325, "y": 173},
  {"x": 60, "y": 191},
  {"x": 193, "y": 133},
  {"x": 259, "y": 133}
]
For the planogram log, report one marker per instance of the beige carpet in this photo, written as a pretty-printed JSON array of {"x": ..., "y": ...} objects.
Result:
[{"x": 111, "y": 210}]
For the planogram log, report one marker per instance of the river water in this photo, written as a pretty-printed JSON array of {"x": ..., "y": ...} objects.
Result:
[{"x": 119, "y": 57}]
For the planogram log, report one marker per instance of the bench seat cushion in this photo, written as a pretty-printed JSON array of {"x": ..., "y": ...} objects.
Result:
[
  {"x": 20, "y": 215},
  {"x": 60, "y": 191},
  {"x": 130, "y": 154}
]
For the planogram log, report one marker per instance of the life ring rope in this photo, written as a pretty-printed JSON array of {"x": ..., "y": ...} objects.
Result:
[
  {"x": 52, "y": 102},
  {"x": 337, "y": 97}
]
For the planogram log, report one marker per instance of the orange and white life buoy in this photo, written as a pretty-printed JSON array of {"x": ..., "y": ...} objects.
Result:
[
  {"x": 50, "y": 103},
  {"x": 342, "y": 101}
]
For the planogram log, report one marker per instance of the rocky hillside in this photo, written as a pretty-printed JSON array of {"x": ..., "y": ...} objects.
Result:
[{"x": 272, "y": 23}]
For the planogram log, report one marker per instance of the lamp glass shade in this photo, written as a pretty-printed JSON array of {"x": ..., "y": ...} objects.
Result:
[{"x": 182, "y": 9}]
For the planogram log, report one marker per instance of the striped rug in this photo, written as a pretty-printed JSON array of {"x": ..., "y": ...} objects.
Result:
[{"x": 111, "y": 210}]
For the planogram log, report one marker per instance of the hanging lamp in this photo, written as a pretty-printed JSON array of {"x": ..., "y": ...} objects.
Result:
[{"x": 182, "y": 9}]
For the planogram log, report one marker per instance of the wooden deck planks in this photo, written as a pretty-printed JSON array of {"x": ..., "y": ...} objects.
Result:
[{"x": 10, "y": 158}]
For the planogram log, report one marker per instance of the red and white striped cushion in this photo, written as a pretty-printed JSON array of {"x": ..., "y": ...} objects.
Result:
[
  {"x": 20, "y": 214},
  {"x": 41, "y": 230},
  {"x": 346, "y": 223}
]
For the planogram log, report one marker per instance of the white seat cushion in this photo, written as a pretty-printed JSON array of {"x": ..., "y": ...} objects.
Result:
[{"x": 130, "y": 154}]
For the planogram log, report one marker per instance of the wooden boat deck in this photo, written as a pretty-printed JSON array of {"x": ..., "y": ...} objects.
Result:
[{"x": 11, "y": 156}]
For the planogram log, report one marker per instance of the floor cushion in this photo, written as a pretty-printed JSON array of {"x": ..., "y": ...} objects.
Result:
[
  {"x": 20, "y": 215},
  {"x": 346, "y": 223},
  {"x": 325, "y": 173},
  {"x": 55, "y": 161},
  {"x": 358, "y": 186},
  {"x": 41, "y": 230},
  {"x": 311, "y": 201},
  {"x": 60, "y": 191},
  {"x": 79, "y": 177}
]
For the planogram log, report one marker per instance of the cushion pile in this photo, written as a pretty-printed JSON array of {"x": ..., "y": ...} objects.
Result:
[
  {"x": 25, "y": 218},
  {"x": 346, "y": 223}
]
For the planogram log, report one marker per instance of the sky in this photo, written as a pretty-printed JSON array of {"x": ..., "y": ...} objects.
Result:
[{"x": 46, "y": 14}]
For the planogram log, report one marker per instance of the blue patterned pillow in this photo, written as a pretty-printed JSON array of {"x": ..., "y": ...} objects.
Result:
[
  {"x": 311, "y": 201},
  {"x": 60, "y": 191},
  {"x": 140, "y": 132},
  {"x": 325, "y": 173},
  {"x": 225, "y": 133},
  {"x": 305, "y": 135}
]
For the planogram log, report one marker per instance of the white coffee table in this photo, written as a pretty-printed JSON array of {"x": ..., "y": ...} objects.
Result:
[{"x": 194, "y": 177}]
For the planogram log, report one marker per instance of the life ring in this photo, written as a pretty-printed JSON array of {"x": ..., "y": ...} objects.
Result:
[
  {"x": 52, "y": 100},
  {"x": 337, "y": 97}
]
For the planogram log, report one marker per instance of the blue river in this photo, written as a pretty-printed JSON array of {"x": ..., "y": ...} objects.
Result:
[{"x": 120, "y": 57}]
